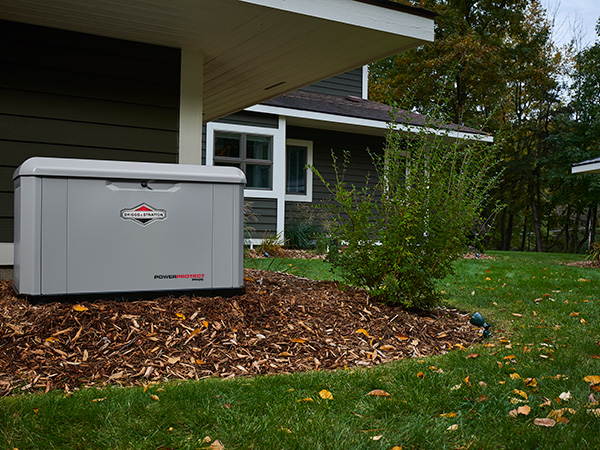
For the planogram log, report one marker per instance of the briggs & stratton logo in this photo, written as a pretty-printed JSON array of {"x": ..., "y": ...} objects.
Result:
[{"x": 143, "y": 214}]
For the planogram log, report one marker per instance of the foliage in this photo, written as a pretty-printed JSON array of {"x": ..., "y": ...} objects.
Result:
[
  {"x": 397, "y": 239},
  {"x": 304, "y": 226}
]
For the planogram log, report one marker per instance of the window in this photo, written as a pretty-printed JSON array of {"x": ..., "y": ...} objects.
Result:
[
  {"x": 253, "y": 154},
  {"x": 298, "y": 176}
]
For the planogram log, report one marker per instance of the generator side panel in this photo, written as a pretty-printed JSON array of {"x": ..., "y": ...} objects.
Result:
[
  {"x": 54, "y": 236},
  {"x": 27, "y": 235},
  {"x": 228, "y": 236}
]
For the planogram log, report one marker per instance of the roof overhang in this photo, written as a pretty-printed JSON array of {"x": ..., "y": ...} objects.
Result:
[
  {"x": 253, "y": 50},
  {"x": 358, "y": 125},
  {"x": 590, "y": 166}
]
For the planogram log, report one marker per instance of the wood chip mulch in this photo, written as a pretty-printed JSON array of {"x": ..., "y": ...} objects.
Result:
[{"x": 282, "y": 324}]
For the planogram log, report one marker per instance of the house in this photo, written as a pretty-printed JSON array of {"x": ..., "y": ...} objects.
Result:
[
  {"x": 302, "y": 128},
  {"x": 137, "y": 79},
  {"x": 589, "y": 166}
]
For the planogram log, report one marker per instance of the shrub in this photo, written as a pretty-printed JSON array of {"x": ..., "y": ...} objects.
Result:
[{"x": 399, "y": 238}]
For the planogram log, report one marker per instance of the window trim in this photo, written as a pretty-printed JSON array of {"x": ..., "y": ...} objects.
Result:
[
  {"x": 243, "y": 159},
  {"x": 309, "y": 175}
]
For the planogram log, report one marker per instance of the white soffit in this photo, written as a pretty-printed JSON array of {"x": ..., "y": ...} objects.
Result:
[
  {"x": 591, "y": 167},
  {"x": 253, "y": 49}
]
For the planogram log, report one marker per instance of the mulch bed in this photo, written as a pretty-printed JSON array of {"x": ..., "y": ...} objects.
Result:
[{"x": 282, "y": 324}]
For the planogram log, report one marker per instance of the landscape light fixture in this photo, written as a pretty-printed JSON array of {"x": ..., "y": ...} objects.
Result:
[{"x": 477, "y": 320}]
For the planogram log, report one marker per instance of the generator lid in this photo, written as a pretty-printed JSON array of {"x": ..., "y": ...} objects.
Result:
[{"x": 90, "y": 168}]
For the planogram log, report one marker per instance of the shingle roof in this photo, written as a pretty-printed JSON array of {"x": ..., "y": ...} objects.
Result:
[{"x": 354, "y": 107}]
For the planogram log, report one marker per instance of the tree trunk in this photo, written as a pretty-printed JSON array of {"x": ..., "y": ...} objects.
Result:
[
  {"x": 524, "y": 235},
  {"x": 509, "y": 231},
  {"x": 593, "y": 223},
  {"x": 539, "y": 243},
  {"x": 502, "y": 231}
]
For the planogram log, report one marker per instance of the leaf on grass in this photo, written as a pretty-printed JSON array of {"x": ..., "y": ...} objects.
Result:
[
  {"x": 467, "y": 380},
  {"x": 510, "y": 357},
  {"x": 36, "y": 410},
  {"x": 449, "y": 415},
  {"x": 379, "y": 393},
  {"x": 216, "y": 445},
  {"x": 595, "y": 412},
  {"x": 513, "y": 413},
  {"x": 420, "y": 375},
  {"x": 456, "y": 387},
  {"x": 98, "y": 399},
  {"x": 154, "y": 397},
  {"x": 452, "y": 427},
  {"x": 482, "y": 398},
  {"x": 307, "y": 399},
  {"x": 521, "y": 393},
  {"x": 472, "y": 355},
  {"x": 574, "y": 314},
  {"x": 325, "y": 394},
  {"x": 531, "y": 382},
  {"x": 462, "y": 347},
  {"x": 287, "y": 430},
  {"x": 376, "y": 438},
  {"x": 544, "y": 422},
  {"x": 80, "y": 308},
  {"x": 515, "y": 376},
  {"x": 593, "y": 379},
  {"x": 565, "y": 396},
  {"x": 524, "y": 410},
  {"x": 363, "y": 331},
  {"x": 517, "y": 315},
  {"x": 396, "y": 447}
]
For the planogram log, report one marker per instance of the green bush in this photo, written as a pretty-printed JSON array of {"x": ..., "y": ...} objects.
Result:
[{"x": 399, "y": 238}]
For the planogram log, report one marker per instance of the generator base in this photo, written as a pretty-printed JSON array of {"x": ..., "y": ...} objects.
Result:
[{"x": 130, "y": 296}]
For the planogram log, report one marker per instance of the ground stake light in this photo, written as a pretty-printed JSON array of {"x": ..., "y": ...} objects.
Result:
[{"x": 477, "y": 320}]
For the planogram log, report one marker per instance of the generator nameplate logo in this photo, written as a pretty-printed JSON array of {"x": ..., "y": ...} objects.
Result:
[{"x": 143, "y": 214}]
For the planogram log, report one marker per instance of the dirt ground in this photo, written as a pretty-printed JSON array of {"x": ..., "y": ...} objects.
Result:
[{"x": 282, "y": 324}]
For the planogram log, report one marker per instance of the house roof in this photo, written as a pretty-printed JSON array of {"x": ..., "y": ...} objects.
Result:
[
  {"x": 252, "y": 50},
  {"x": 589, "y": 166},
  {"x": 356, "y": 107}
]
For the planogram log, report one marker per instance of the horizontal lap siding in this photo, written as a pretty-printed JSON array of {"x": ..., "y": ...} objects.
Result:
[
  {"x": 74, "y": 95},
  {"x": 349, "y": 83},
  {"x": 263, "y": 217}
]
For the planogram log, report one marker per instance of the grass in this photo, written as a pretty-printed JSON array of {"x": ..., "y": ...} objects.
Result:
[{"x": 545, "y": 339}]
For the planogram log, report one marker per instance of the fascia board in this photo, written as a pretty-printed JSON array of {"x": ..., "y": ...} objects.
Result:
[
  {"x": 368, "y": 123},
  {"x": 586, "y": 168}
]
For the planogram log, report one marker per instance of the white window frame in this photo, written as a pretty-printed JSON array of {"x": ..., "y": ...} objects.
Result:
[{"x": 309, "y": 175}]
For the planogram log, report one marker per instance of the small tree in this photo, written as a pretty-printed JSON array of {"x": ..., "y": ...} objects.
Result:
[{"x": 398, "y": 238}]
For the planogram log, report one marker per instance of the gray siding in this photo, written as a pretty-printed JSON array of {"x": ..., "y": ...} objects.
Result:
[
  {"x": 252, "y": 119},
  {"x": 349, "y": 83},
  {"x": 324, "y": 142},
  {"x": 264, "y": 217},
  {"x": 73, "y": 95}
]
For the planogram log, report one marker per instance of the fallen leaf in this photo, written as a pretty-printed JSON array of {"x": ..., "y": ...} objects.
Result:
[
  {"x": 510, "y": 357},
  {"x": 593, "y": 379},
  {"x": 299, "y": 340},
  {"x": 325, "y": 394},
  {"x": 98, "y": 399},
  {"x": 402, "y": 337},
  {"x": 565, "y": 396},
  {"x": 216, "y": 445},
  {"x": 285, "y": 354},
  {"x": 287, "y": 430},
  {"x": 80, "y": 308},
  {"x": 574, "y": 314},
  {"x": 467, "y": 380},
  {"x": 452, "y": 427},
  {"x": 363, "y": 331},
  {"x": 376, "y": 438},
  {"x": 544, "y": 422},
  {"x": 51, "y": 339},
  {"x": 482, "y": 398},
  {"x": 420, "y": 375},
  {"x": 154, "y": 397},
  {"x": 524, "y": 410},
  {"x": 594, "y": 412},
  {"x": 36, "y": 410},
  {"x": 180, "y": 316},
  {"x": 307, "y": 399},
  {"x": 379, "y": 393},
  {"x": 531, "y": 382},
  {"x": 521, "y": 393},
  {"x": 517, "y": 315},
  {"x": 515, "y": 376},
  {"x": 396, "y": 447},
  {"x": 472, "y": 355},
  {"x": 205, "y": 323},
  {"x": 387, "y": 347},
  {"x": 449, "y": 415},
  {"x": 462, "y": 347},
  {"x": 513, "y": 413}
]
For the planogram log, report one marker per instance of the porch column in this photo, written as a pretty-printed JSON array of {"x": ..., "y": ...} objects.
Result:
[{"x": 190, "y": 106}]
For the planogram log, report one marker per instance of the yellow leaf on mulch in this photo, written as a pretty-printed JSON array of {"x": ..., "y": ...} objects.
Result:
[
  {"x": 363, "y": 331},
  {"x": 326, "y": 394},
  {"x": 180, "y": 316},
  {"x": 80, "y": 308}
]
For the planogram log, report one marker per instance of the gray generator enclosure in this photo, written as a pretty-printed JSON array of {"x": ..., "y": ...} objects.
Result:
[{"x": 86, "y": 226}]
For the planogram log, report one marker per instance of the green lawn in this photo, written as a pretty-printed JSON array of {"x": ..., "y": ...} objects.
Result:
[{"x": 545, "y": 324}]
